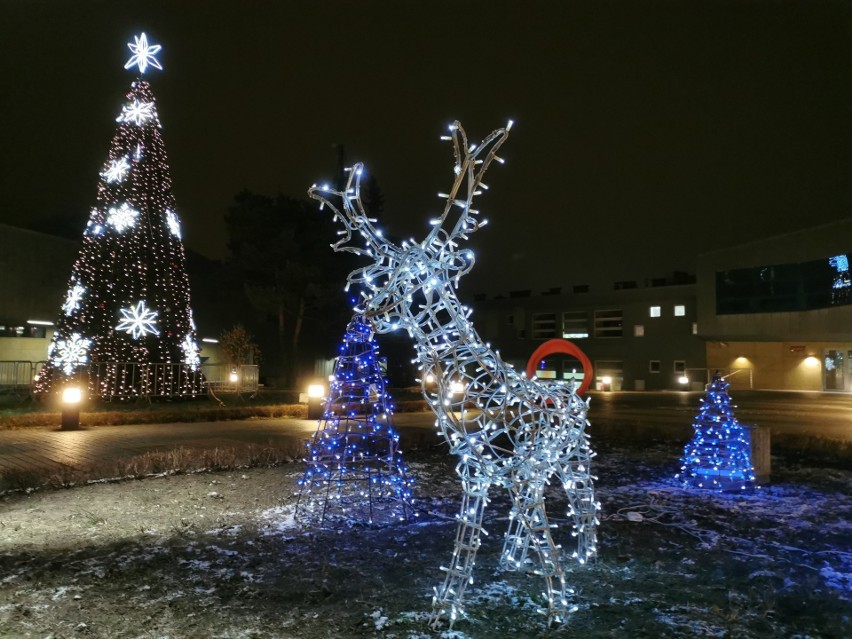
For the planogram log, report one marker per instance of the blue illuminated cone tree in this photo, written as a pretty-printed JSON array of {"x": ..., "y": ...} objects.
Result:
[
  {"x": 126, "y": 319},
  {"x": 355, "y": 467},
  {"x": 719, "y": 455}
]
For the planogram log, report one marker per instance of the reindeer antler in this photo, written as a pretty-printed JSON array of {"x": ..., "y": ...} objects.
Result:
[
  {"x": 350, "y": 211},
  {"x": 471, "y": 163}
]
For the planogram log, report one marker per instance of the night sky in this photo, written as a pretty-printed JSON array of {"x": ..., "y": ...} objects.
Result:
[{"x": 645, "y": 131}]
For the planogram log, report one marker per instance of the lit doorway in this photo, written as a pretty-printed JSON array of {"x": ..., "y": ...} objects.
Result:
[{"x": 833, "y": 370}]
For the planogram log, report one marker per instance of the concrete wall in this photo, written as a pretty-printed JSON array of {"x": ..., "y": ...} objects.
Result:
[
  {"x": 777, "y": 365},
  {"x": 24, "y": 349},
  {"x": 34, "y": 272}
]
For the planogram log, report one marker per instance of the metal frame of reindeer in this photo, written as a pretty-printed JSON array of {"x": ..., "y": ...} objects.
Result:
[{"x": 506, "y": 430}]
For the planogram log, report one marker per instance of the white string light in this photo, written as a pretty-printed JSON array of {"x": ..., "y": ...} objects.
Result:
[{"x": 506, "y": 430}]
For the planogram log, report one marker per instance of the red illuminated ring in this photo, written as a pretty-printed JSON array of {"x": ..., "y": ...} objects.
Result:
[{"x": 552, "y": 346}]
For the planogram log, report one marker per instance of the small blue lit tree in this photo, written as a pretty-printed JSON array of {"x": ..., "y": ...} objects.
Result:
[
  {"x": 355, "y": 467},
  {"x": 719, "y": 455}
]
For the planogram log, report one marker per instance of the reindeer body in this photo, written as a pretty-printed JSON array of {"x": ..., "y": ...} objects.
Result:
[{"x": 505, "y": 429}]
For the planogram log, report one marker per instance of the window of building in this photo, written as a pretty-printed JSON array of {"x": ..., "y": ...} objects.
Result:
[
  {"x": 609, "y": 323},
  {"x": 23, "y": 331},
  {"x": 695, "y": 328},
  {"x": 679, "y": 310},
  {"x": 575, "y": 324},
  {"x": 543, "y": 325},
  {"x": 779, "y": 288},
  {"x": 679, "y": 367},
  {"x": 638, "y": 330},
  {"x": 655, "y": 311},
  {"x": 654, "y": 366},
  {"x": 510, "y": 320}
]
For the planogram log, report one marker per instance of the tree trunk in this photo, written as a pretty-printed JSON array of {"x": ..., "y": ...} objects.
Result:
[{"x": 297, "y": 329}]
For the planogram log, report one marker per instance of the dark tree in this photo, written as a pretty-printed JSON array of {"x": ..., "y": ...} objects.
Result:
[
  {"x": 279, "y": 247},
  {"x": 372, "y": 197}
]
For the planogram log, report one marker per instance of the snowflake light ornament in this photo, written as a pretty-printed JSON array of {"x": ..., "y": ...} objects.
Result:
[
  {"x": 138, "y": 320},
  {"x": 174, "y": 224},
  {"x": 143, "y": 54},
  {"x": 73, "y": 298},
  {"x": 123, "y": 217},
  {"x": 190, "y": 353},
  {"x": 136, "y": 112},
  {"x": 70, "y": 353},
  {"x": 116, "y": 170}
]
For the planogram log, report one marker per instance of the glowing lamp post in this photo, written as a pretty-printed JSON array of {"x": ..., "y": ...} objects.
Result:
[
  {"x": 315, "y": 397},
  {"x": 72, "y": 396}
]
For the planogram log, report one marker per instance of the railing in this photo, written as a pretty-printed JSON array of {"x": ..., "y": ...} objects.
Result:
[
  {"x": 222, "y": 378},
  {"x": 122, "y": 380},
  {"x": 17, "y": 376},
  {"x": 742, "y": 377}
]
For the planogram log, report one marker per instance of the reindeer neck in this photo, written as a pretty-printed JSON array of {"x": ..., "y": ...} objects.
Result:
[{"x": 448, "y": 342}]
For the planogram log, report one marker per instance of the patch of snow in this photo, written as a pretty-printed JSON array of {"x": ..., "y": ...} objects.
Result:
[
  {"x": 280, "y": 518},
  {"x": 379, "y": 620},
  {"x": 839, "y": 580},
  {"x": 681, "y": 621}
]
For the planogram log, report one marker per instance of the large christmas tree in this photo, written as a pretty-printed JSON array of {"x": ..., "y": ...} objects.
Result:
[
  {"x": 719, "y": 455},
  {"x": 125, "y": 327}
]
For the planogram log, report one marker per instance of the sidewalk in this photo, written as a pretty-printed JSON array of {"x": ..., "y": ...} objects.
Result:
[{"x": 52, "y": 449}]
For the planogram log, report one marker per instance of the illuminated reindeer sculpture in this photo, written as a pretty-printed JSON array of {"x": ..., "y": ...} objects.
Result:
[{"x": 507, "y": 430}]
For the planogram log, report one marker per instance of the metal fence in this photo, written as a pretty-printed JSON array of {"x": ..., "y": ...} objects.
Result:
[
  {"x": 17, "y": 376},
  {"x": 222, "y": 378},
  {"x": 120, "y": 380}
]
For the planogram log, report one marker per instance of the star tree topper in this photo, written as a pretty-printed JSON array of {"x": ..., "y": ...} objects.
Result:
[{"x": 143, "y": 54}]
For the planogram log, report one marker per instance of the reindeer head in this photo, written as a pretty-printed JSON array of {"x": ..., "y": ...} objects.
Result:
[{"x": 404, "y": 284}]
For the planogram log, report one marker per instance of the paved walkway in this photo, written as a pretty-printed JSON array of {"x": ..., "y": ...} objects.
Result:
[{"x": 52, "y": 448}]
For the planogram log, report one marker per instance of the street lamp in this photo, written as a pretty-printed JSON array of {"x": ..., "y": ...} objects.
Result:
[
  {"x": 72, "y": 396},
  {"x": 315, "y": 396}
]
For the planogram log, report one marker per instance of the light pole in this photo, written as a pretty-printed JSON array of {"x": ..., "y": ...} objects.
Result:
[{"x": 72, "y": 396}]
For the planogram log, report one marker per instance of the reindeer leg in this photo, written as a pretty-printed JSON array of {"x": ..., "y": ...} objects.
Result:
[
  {"x": 582, "y": 508},
  {"x": 530, "y": 530},
  {"x": 447, "y": 601}
]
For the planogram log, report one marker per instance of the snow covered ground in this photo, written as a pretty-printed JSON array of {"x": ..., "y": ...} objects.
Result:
[{"x": 221, "y": 555}]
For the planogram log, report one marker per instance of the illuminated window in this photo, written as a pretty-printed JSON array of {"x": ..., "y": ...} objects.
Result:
[
  {"x": 654, "y": 366},
  {"x": 638, "y": 330},
  {"x": 655, "y": 311},
  {"x": 695, "y": 328},
  {"x": 575, "y": 325},
  {"x": 679, "y": 310}
]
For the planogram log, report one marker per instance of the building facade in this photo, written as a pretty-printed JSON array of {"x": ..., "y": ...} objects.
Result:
[
  {"x": 777, "y": 313},
  {"x": 637, "y": 338}
]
